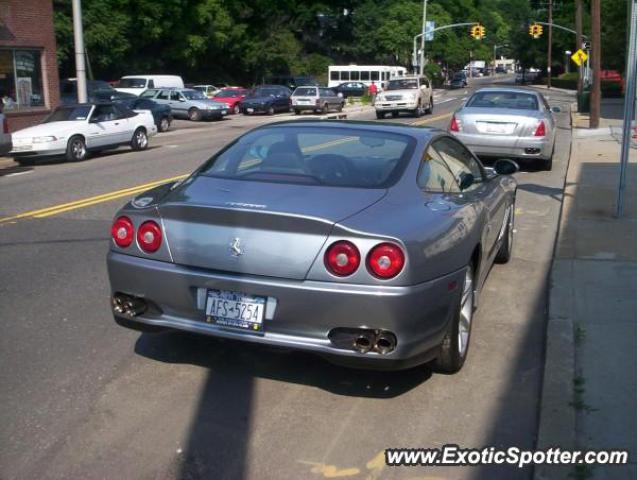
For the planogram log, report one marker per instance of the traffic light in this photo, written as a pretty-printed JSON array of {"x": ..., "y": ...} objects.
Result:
[
  {"x": 478, "y": 32},
  {"x": 535, "y": 30}
]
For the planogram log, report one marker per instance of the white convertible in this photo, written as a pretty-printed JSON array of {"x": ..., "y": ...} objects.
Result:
[{"x": 76, "y": 130}]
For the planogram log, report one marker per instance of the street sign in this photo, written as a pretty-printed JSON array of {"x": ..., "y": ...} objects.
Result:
[
  {"x": 579, "y": 57},
  {"x": 429, "y": 35}
]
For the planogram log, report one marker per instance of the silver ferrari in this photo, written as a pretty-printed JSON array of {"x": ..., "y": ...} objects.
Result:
[
  {"x": 507, "y": 122},
  {"x": 368, "y": 243}
]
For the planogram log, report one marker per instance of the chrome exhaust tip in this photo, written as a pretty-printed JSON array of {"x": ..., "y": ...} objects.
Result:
[
  {"x": 364, "y": 342},
  {"x": 385, "y": 343},
  {"x": 128, "y": 305}
]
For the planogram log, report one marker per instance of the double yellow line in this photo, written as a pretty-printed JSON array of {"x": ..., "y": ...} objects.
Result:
[{"x": 87, "y": 202}]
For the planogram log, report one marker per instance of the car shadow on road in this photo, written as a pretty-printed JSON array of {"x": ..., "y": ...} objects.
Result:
[{"x": 256, "y": 361}]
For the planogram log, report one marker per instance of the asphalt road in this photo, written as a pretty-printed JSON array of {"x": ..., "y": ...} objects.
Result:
[{"x": 83, "y": 398}]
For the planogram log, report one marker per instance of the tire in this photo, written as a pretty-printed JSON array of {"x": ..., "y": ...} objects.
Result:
[
  {"x": 139, "y": 140},
  {"x": 76, "y": 149},
  {"x": 380, "y": 115},
  {"x": 430, "y": 109},
  {"x": 297, "y": 111},
  {"x": 163, "y": 125},
  {"x": 417, "y": 112},
  {"x": 547, "y": 164},
  {"x": 339, "y": 109},
  {"x": 324, "y": 109},
  {"x": 504, "y": 253},
  {"x": 394, "y": 114},
  {"x": 270, "y": 111},
  {"x": 237, "y": 109},
  {"x": 194, "y": 114},
  {"x": 455, "y": 344}
]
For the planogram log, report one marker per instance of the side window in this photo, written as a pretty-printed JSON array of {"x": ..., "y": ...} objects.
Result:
[
  {"x": 105, "y": 113},
  {"x": 164, "y": 95},
  {"x": 345, "y": 75},
  {"x": 333, "y": 75},
  {"x": 151, "y": 84},
  {"x": 459, "y": 159},
  {"x": 434, "y": 175},
  {"x": 355, "y": 75},
  {"x": 365, "y": 76},
  {"x": 123, "y": 112},
  {"x": 174, "y": 96}
]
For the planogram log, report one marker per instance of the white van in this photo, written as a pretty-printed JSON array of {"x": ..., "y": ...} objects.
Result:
[{"x": 136, "y": 84}]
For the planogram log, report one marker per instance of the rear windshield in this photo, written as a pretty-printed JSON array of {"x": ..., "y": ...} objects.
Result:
[
  {"x": 511, "y": 100},
  {"x": 305, "y": 92},
  {"x": 402, "y": 84},
  {"x": 69, "y": 114},
  {"x": 132, "y": 83},
  {"x": 265, "y": 92},
  {"x": 315, "y": 156}
]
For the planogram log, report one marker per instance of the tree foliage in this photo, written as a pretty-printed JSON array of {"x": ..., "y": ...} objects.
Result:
[{"x": 243, "y": 41}]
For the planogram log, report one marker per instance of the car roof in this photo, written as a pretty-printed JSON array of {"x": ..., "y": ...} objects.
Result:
[
  {"x": 508, "y": 90},
  {"x": 419, "y": 132}
]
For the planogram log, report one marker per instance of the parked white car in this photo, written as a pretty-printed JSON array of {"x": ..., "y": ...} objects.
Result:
[
  {"x": 136, "y": 84},
  {"x": 411, "y": 94},
  {"x": 76, "y": 130}
]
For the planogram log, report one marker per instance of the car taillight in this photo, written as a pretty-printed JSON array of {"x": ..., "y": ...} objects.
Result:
[
  {"x": 386, "y": 260},
  {"x": 149, "y": 236},
  {"x": 342, "y": 258},
  {"x": 453, "y": 126},
  {"x": 123, "y": 232},
  {"x": 540, "y": 131}
]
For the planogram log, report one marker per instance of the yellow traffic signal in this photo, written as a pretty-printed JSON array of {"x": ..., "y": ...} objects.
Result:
[
  {"x": 478, "y": 32},
  {"x": 535, "y": 30}
]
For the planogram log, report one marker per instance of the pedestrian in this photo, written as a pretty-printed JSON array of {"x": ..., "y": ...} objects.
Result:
[{"x": 373, "y": 90}]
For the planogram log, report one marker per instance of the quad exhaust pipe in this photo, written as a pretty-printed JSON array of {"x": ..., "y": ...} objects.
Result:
[
  {"x": 128, "y": 305},
  {"x": 363, "y": 340}
]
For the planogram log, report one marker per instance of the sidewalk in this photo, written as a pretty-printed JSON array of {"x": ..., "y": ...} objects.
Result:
[{"x": 589, "y": 398}]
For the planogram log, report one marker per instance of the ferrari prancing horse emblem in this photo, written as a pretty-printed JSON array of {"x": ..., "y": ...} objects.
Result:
[{"x": 235, "y": 247}]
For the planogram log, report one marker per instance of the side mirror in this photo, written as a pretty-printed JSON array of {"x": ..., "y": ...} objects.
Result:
[
  {"x": 505, "y": 166},
  {"x": 466, "y": 180}
]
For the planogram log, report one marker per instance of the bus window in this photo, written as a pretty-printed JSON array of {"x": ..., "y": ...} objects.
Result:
[
  {"x": 354, "y": 75},
  {"x": 375, "y": 76},
  {"x": 344, "y": 76},
  {"x": 365, "y": 76},
  {"x": 334, "y": 76}
]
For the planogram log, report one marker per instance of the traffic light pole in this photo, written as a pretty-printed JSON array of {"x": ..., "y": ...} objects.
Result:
[{"x": 550, "y": 52}]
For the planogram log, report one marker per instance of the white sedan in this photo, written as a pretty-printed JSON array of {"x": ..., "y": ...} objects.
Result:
[{"x": 76, "y": 130}]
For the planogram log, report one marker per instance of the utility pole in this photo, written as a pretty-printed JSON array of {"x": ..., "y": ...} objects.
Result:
[
  {"x": 422, "y": 40},
  {"x": 578, "y": 39},
  {"x": 80, "y": 68},
  {"x": 596, "y": 51},
  {"x": 550, "y": 52}
]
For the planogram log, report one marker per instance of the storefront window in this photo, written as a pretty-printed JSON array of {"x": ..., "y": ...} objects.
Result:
[{"x": 20, "y": 79}]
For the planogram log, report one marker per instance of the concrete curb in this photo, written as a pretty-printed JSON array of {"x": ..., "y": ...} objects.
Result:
[{"x": 557, "y": 418}]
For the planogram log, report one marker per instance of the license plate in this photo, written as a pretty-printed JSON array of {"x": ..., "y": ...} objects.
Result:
[
  {"x": 224, "y": 112},
  {"x": 250, "y": 110},
  {"x": 497, "y": 128},
  {"x": 235, "y": 310}
]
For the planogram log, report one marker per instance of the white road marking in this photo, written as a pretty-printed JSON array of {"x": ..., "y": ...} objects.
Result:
[{"x": 17, "y": 173}]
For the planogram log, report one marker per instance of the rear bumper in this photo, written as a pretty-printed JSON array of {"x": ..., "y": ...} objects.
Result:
[
  {"x": 503, "y": 146},
  {"x": 305, "y": 313},
  {"x": 303, "y": 107}
]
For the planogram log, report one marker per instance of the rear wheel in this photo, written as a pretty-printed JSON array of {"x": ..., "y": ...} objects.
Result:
[
  {"x": 339, "y": 108},
  {"x": 237, "y": 109},
  {"x": 194, "y": 114},
  {"x": 380, "y": 115},
  {"x": 430, "y": 109},
  {"x": 394, "y": 114},
  {"x": 504, "y": 253},
  {"x": 297, "y": 111},
  {"x": 417, "y": 111},
  {"x": 139, "y": 140},
  {"x": 76, "y": 149},
  {"x": 324, "y": 109},
  {"x": 547, "y": 164},
  {"x": 164, "y": 124},
  {"x": 270, "y": 111},
  {"x": 454, "y": 347}
]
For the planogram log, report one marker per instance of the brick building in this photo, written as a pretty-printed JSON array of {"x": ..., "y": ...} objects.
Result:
[{"x": 29, "y": 82}]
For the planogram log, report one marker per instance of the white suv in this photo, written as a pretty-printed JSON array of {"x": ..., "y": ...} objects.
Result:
[{"x": 411, "y": 94}]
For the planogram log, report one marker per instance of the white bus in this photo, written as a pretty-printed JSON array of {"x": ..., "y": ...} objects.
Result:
[{"x": 366, "y": 74}]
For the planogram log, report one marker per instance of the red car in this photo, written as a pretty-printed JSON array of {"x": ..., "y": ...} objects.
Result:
[{"x": 231, "y": 96}]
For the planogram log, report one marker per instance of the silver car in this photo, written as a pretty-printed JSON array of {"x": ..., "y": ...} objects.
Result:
[
  {"x": 366, "y": 243},
  {"x": 507, "y": 122},
  {"x": 316, "y": 99},
  {"x": 187, "y": 103}
]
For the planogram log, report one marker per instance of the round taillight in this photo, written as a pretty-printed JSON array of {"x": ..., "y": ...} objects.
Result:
[
  {"x": 342, "y": 258},
  {"x": 386, "y": 260},
  {"x": 149, "y": 236},
  {"x": 123, "y": 232}
]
